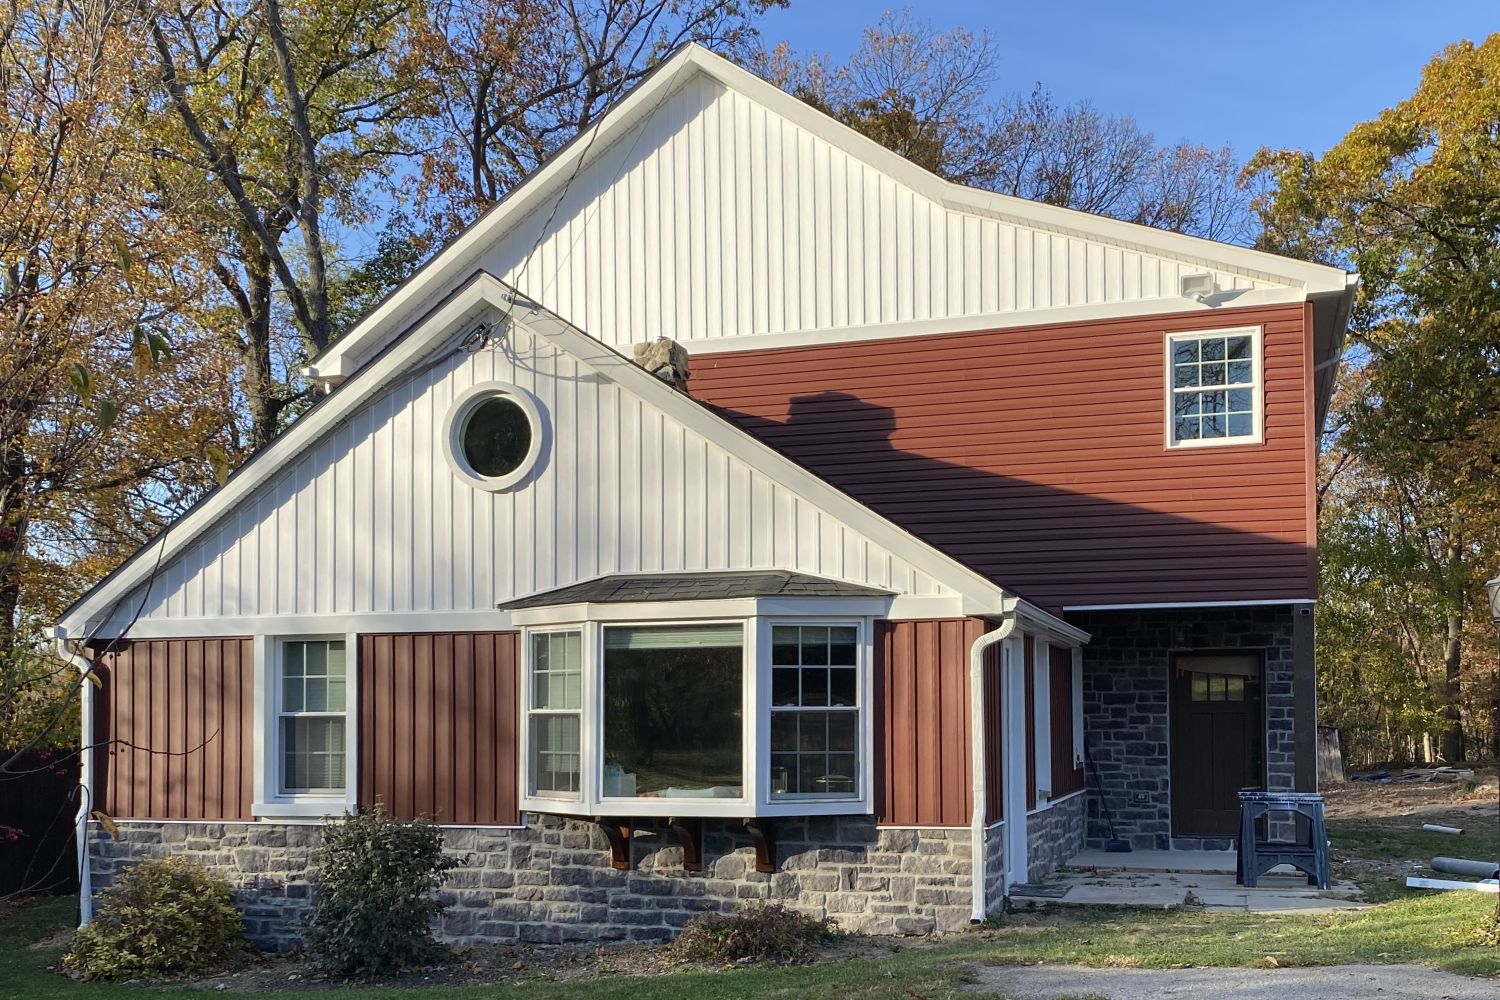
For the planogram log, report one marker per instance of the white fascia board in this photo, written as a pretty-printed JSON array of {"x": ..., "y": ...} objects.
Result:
[
  {"x": 1093, "y": 313},
  {"x": 482, "y": 296},
  {"x": 455, "y": 259},
  {"x": 1170, "y": 605}
]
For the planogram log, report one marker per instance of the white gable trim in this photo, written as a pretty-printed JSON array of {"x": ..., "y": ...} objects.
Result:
[
  {"x": 459, "y": 258},
  {"x": 478, "y": 298}
]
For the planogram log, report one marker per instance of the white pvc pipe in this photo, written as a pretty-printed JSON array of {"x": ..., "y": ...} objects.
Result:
[
  {"x": 976, "y": 754},
  {"x": 85, "y": 773}
]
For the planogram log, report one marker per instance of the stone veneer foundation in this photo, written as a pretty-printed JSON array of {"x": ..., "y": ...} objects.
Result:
[
  {"x": 1127, "y": 726},
  {"x": 1055, "y": 835},
  {"x": 551, "y": 881}
]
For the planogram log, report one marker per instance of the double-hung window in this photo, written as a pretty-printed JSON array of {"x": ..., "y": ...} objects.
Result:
[
  {"x": 311, "y": 717},
  {"x": 555, "y": 713},
  {"x": 1214, "y": 388},
  {"x": 814, "y": 710}
]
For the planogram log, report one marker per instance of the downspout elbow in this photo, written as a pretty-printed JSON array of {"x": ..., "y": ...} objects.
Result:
[{"x": 976, "y": 754}]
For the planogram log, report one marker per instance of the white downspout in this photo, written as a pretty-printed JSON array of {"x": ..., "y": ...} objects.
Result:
[
  {"x": 85, "y": 772},
  {"x": 976, "y": 755}
]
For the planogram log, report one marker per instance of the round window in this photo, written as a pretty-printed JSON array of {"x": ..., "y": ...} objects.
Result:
[{"x": 494, "y": 435}]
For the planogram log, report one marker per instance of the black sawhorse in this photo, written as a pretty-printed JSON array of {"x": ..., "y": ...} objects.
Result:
[{"x": 1257, "y": 856}]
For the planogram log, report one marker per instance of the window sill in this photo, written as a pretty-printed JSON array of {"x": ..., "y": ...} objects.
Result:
[{"x": 320, "y": 807}]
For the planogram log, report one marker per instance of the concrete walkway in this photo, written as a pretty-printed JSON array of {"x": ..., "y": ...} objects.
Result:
[
  {"x": 1163, "y": 879},
  {"x": 1338, "y": 982}
]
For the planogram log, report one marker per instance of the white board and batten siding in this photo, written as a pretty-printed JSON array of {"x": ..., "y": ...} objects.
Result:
[
  {"x": 716, "y": 217},
  {"x": 372, "y": 519}
]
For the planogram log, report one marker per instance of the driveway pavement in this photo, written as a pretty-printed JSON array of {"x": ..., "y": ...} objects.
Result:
[{"x": 1337, "y": 982}]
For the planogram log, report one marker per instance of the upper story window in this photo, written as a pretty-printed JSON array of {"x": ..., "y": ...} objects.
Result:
[
  {"x": 311, "y": 717},
  {"x": 1214, "y": 388}
]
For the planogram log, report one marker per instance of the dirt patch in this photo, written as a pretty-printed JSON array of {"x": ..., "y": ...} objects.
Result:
[
  {"x": 512, "y": 965},
  {"x": 60, "y": 939},
  {"x": 1413, "y": 799}
]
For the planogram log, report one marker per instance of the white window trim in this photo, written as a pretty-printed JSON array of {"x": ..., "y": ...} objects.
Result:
[
  {"x": 1257, "y": 388},
  {"x": 269, "y": 801},
  {"x": 458, "y": 414},
  {"x": 756, "y": 735}
]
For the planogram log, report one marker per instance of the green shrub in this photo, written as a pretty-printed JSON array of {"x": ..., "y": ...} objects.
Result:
[
  {"x": 771, "y": 932},
  {"x": 374, "y": 906},
  {"x": 161, "y": 918}
]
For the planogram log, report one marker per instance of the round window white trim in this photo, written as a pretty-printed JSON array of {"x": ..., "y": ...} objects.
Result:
[{"x": 458, "y": 416}]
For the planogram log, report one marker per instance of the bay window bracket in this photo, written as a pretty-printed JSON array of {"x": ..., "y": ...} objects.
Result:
[
  {"x": 763, "y": 836},
  {"x": 689, "y": 836},
  {"x": 618, "y": 834}
]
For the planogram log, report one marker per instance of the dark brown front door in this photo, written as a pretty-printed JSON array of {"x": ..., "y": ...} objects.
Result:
[{"x": 1216, "y": 740}]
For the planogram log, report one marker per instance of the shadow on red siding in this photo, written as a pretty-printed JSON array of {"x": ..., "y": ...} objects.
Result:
[{"x": 1036, "y": 456}]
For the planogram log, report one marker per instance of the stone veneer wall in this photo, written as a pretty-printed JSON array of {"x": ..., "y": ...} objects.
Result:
[
  {"x": 1125, "y": 704},
  {"x": 552, "y": 881},
  {"x": 994, "y": 869},
  {"x": 1054, "y": 835}
]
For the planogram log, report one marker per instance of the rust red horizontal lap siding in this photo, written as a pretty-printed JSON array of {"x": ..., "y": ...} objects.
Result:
[
  {"x": 174, "y": 729},
  {"x": 438, "y": 725},
  {"x": 1046, "y": 447}
]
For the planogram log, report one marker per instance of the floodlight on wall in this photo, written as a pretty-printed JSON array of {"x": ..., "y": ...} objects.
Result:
[{"x": 1197, "y": 287}]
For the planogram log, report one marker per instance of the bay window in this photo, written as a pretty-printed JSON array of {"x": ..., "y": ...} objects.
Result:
[
  {"x": 697, "y": 718},
  {"x": 814, "y": 710},
  {"x": 673, "y": 710},
  {"x": 555, "y": 719}
]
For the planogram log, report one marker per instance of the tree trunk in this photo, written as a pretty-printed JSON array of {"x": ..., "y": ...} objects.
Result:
[
  {"x": 262, "y": 391},
  {"x": 1453, "y": 731}
]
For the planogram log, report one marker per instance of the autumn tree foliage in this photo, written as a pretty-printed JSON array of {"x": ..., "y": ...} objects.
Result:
[
  {"x": 930, "y": 95},
  {"x": 1411, "y": 200}
]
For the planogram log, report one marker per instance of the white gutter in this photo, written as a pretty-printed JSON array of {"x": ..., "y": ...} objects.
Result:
[
  {"x": 85, "y": 773},
  {"x": 976, "y": 755}
]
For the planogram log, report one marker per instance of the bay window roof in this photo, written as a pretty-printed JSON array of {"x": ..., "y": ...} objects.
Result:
[{"x": 633, "y": 588}]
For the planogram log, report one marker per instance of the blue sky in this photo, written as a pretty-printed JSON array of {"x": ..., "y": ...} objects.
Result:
[{"x": 1271, "y": 73}]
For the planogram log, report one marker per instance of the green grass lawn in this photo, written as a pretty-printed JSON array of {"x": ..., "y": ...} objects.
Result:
[
  {"x": 1400, "y": 839},
  {"x": 1438, "y": 930}
]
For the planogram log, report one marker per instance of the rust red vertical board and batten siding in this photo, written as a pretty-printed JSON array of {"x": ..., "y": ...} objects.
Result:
[
  {"x": 923, "y": 775},
  {"x": 1067, "y": 771},
  {"x": 1038, "y": 455},
  {"x": 439, "y": 725},
  {"x": 174, "y": 729},
  {"x": 994, "y": 736}
]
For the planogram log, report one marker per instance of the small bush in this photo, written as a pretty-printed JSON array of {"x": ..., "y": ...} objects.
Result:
[
  {"x": 374, "y": 906},
  {"x": 772, "y": 932},
  {"x": 161, "y": 918}
]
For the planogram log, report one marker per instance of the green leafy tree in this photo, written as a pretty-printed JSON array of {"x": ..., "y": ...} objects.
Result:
[{"x": 1411, "y": 200}]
